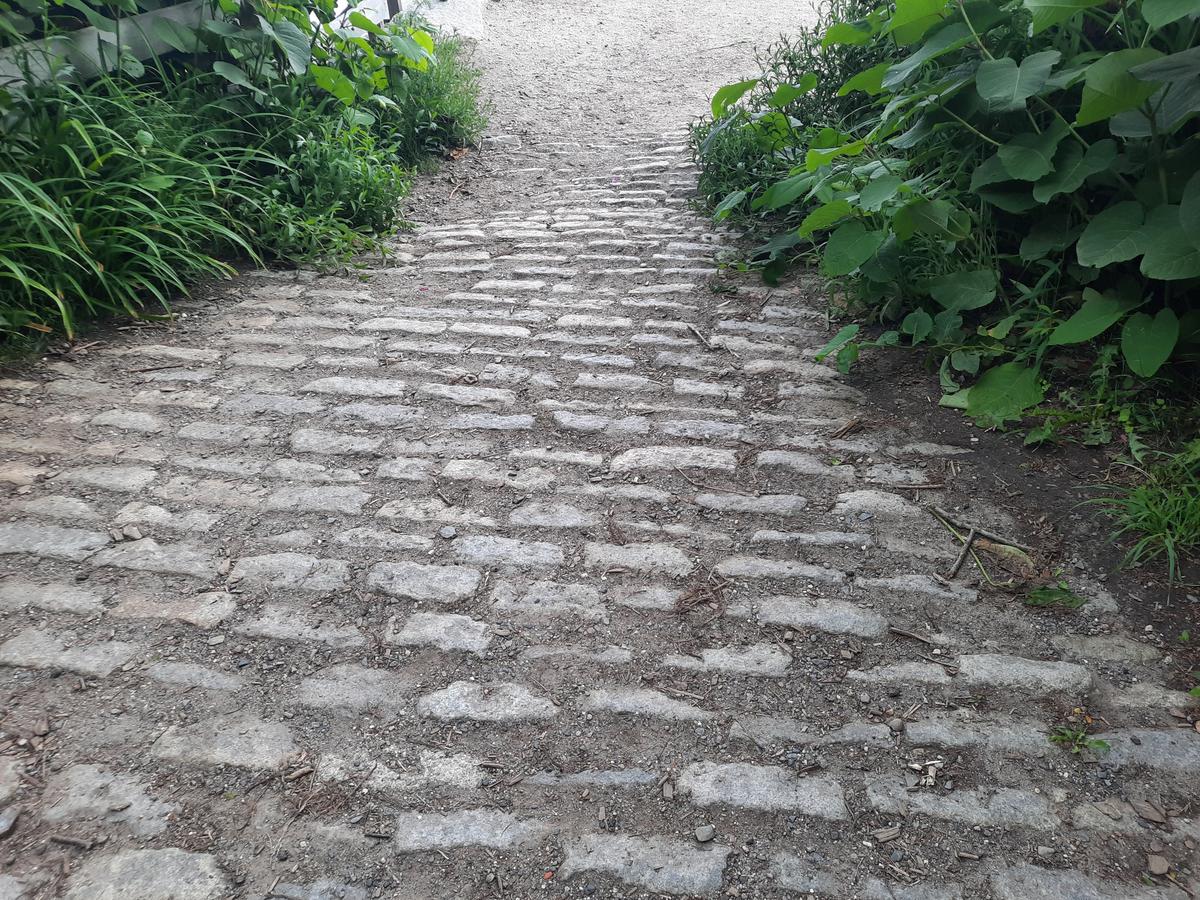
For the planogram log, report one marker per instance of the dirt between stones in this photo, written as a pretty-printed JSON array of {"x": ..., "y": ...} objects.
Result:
[{"x": 510, "y": 565}]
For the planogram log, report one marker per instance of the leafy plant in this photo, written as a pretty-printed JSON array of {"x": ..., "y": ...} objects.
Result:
[
  {"x": 1163, "y": 510},
  {"x": 271, "y": 130},
  {"x": 1010, "y": 185},
  {"x": 1077, "y": 739},
  {"x": 1058, "y": 596}
]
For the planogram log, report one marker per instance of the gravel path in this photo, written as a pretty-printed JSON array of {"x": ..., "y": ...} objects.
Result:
[{"x": 541, "y": 560}]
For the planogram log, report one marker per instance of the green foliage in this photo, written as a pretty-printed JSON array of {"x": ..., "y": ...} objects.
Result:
[
  {"x": 277, "y": 131},
  {"x": 1004, "y": 184},
  {"x": 1162, "y": 510},
  {"x": 1054, "y": 596},
  {"x": 1077, "y": 739}
]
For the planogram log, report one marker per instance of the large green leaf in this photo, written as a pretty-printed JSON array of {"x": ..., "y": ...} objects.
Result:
[
  {"x": 1147, "y": 343},
  {"x": 726, "y": 207},
  {"x": 918, "y": 324},
  {"x": 849, "y": 247},
  {"x": 1114, "y": 235},
  {"x": 1110, "y": 88},
  {"x": 1189, "y": 209},
  {"x": 869, "y": 81},
  {"x": 1030, "y": 156},
  {"x": 1181, "y": 66},
  {"x": 180, "y": 37},
  {"x": 821, "y": 218},
  {"x": 936, "y": 218},
  {"x": 331, "y": 80},
  {"x": 1098, "y": 313},
  {"x": 1004, "y": 392},
  {"x": 819, "y": 156},
  {"x": 1073, "y": 166},
  {"x": 953, "y": 37},
  {"x": 785, "y": 192},
  {"x": 1172, "y": 254},
  {"x": 730, "y": 94},
  {"x": 912, "y": 18},
  {"x": 1005, "y": 86},
  {"x": 1050, "y": 233},
  {"x": 1174, "y": 104},
  {"x": 990, "y": 171},
  {"x": 233, "y": 74},
  {"x": 787, "y": 93},
  {"x": 295, "y": 44},
  {"x": 1158, "y": 13},
  {"x": 850, "y": 34},
  {"x": 879, "y": 191},
  {"x": 358, "y": 20},
  {"x": 1047, "y": 13},
  {"x": 964, "y": 290}
]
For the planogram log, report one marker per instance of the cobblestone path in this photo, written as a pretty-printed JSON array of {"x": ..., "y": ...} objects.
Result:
[{"x": 527, "y": 564}]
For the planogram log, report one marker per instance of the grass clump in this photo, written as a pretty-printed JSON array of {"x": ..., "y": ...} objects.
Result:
[
  {"x": 1162, "y": 511},
  {"x": 288, "y": 135}
]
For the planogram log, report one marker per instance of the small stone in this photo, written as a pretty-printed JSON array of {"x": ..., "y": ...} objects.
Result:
[
  {"x": 706, "y": 833},
  {"x": 449, "y": 532},
  {"x": 1045, "y": 852},
  {"x": 1157, "y": 865},
  {"x": 8, "y": 820},
  {"x": 896, "y": 724},
  {"x": 864, "y": 697}
]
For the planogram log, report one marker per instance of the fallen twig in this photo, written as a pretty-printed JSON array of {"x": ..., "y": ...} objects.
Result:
[{"x": 980, "y": 532}]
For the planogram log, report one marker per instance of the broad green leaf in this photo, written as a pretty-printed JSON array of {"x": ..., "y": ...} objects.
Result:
[
  {"x": 1005, "y": 86},
  {"x": 333, "y": 81},
  {"x": 1049, "y": 234},
  {"x": 1147, "y": 343},
  {"x": 729, "y": 95},
  {"x": 918, "y": 324},
  {"x": 233, "y": 74},
  {"x": 785, "y": 192},
  {"x": 95, "y": 19},
  {"x": 294, "y": 43},
  {"x": 947, "y": 326},
  {"x": 1047, "y": 13},
  {"x": 727, "y": 206},
  {"x": 849, "y": 247},
  {"x": 1004, "y": 392},
  {"x": 786, "y": 93},
  {"x": 965, "y": 361},
  {"x": 936, "y": 218},
  {"x": 1181, "y": 66},
  {"x": 990, "y": 171},
  {"x": 878, "y": 192},
  {"x": 1174, "y": 103},
  {"x": 156, "y": 182},
  {"x": 821, "y": 218},
  {"x": 1189, "y": 209},
  {"x": 1110, "y": 88},
  {"x": 869, "y": 81},
  {"x": 850, "y": 34},
  {"x": 844, "y": 336},
  {"x": 1073, "y": 166},
  {"x": 953, "y": 37},
  {"x": 1114, "y": 235},
  {"x": 1030, "y": 156},
  {"x": 177, "y": 35},
  {"x": 818, "y": 157},
  {"x": 964, "y": 290},
  {"x": 1098, "y": 313},
  {"x": 1158, "y": 13},
  {"x": 1014, "y": 197},
  {"x": 1172, "y": 254},
  {"x": 912, "y": 18},
  {"x": 358, "y": 20}
]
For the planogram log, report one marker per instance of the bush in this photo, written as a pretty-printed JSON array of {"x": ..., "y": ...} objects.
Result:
[
  {"x": 1012, "y": 185},
  {"x": 272, "y": 131}
]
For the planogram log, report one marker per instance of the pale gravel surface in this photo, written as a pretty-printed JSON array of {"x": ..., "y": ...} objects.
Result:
[{"x": 527, "y": 564}]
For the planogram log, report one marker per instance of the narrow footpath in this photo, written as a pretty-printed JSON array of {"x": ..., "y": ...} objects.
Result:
[{"x": 541, "y": 559}]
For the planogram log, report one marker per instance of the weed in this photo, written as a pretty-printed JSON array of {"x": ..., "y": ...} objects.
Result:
[
  {"x": 1076, "y": 739},
  {"x": 1163, "y": 510},
  {"x": 1054, "y": 596}
]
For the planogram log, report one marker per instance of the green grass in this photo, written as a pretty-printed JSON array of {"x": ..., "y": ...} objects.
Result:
[
  {"x": 1162, "y": 511},
  {"x": 116, "y": 196}
]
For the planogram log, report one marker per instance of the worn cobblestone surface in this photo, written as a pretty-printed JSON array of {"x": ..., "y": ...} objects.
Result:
[{"x": 507, "y": 566}]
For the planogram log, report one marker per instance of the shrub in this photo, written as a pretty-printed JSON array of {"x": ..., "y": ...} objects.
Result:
[
  {"x": 1014, "y": 187},
  {"x": 278, "y": 132}
]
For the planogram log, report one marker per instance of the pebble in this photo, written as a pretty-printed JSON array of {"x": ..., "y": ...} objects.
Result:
[
  {"x": 896, "y": 725},
  {"x": 706, "y": 833},
  {"x": 449, "y": 532},
  {"x": 1157, "y": 865},
  {"x": 1045, "y": 852}
]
